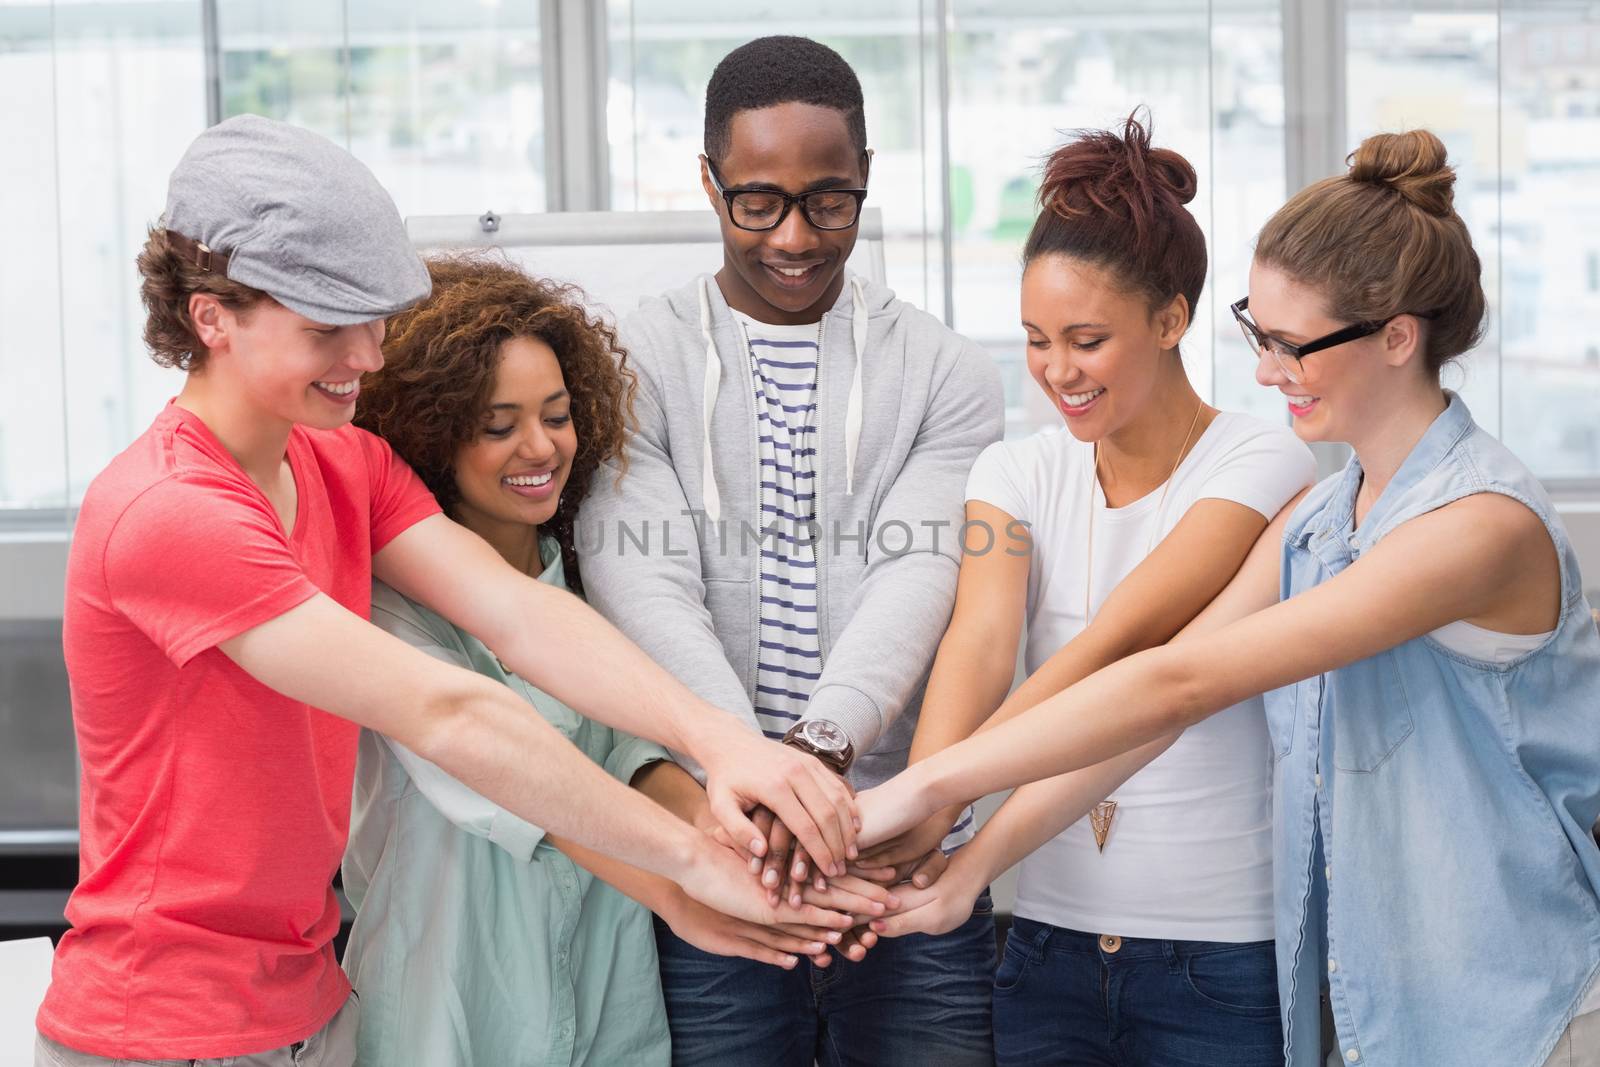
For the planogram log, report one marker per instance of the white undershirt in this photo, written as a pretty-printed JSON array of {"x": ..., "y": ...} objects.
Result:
[
  {"x": 1190, "y": 849},
  {"x": 1490, "y": 646}
]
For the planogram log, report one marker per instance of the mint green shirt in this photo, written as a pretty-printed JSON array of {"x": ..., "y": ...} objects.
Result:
[{"x": 476, "y": 942}]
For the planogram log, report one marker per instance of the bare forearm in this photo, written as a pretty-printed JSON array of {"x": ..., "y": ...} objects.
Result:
[
  {"x": 1038, "y": 811},
  {"x": 1072, "y": 664},
  {"x": 650, "y": 890},
  {"x": 493, "y": 742},
  {"x": 1073, "y": 729},
  {"x": 567, "y": 649},
  {"x": 967, "y": 684},
  {"x": 675, "y": 789},
  {"x": 1091, "y": 650}
]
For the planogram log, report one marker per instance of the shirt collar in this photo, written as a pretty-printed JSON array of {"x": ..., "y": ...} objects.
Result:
[{"x": 1338, "y": 514}]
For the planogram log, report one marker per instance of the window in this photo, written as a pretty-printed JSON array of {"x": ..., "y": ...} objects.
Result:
[
  {"x": 448, "y": 102},
  {"x": 33, "y": 457},
  {"x": 1514, "y": 91},
  {"x": 127, "y": 99},
  {"x": 1025, "y": 74},
  {"x": 444, "y": 101},
  {"x": 1018, "y": 72}
]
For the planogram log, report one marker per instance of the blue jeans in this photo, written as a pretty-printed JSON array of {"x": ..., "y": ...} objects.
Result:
[
  {"x": 914, "y": 1001},
  {"x": 1061, "y": 998}
]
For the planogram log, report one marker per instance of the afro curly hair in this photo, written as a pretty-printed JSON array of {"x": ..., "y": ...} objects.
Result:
[
  {"x": 440, "y": 360},
  {"x": 781, "y": 70}
]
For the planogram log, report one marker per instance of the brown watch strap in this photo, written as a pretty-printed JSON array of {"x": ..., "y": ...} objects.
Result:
[
  {"x": 198, "y": 253},
  {"x": 833, "y": 761}
]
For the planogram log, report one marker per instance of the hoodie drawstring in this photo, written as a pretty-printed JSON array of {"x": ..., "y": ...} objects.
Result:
[
  {"x": 708, "y": 401},
  {"x": 852, "y": 409}
]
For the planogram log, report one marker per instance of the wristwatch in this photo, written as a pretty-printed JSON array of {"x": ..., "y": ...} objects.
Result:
[{"x": 825, "y": 740}]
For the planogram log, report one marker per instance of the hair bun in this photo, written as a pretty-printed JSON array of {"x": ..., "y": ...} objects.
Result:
[
  {"x": 1413, "y": 164},
  {"x": 1173, "y": 172},
  {"x": 1120, "y": 173}
]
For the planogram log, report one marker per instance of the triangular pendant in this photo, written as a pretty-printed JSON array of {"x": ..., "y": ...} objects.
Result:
[{"x": 1100, "y": 821}]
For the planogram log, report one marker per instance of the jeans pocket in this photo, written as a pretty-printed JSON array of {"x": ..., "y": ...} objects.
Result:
[
  {"x": 1241, "y": 979},
  {"x": 1016, "y": 960}
]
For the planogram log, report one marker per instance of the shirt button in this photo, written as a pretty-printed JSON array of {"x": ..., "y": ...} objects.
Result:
[
  {"x": 1318, "y": 780},
  {"x": 1327, "y": 872},
  {"x": 1333, "y": 965},
  {"x": 1352, "y": 1055}
]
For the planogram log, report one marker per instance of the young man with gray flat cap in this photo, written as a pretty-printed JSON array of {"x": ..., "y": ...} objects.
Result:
[{"x": 221, "y": 662}]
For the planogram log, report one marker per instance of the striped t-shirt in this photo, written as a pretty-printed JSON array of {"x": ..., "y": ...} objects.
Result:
[{"x": 783, "y": 373}]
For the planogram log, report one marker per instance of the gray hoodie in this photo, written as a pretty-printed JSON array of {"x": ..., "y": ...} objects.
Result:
[{"x": 676, "y": 566}]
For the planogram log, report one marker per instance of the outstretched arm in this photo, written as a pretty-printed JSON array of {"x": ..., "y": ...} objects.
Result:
[
  {"x": 565, "y": 648},
  {"x": 1463, "y": 561},
  {"x": 1186, "y": 571},
  {"x": 1037, "y": 811},
  {"x": 481, "y": 733}
]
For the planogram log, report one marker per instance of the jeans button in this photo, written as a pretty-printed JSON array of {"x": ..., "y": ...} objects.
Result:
[{"x": 1110, "y": 943}]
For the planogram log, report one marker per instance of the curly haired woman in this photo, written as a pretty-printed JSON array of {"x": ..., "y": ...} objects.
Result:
[{"x": 480, "y": 938}]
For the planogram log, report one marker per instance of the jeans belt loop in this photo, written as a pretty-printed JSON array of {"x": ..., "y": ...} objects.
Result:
[
  {"x": 1174, "y": 960},
  {"x": 1041, "y": 941}
]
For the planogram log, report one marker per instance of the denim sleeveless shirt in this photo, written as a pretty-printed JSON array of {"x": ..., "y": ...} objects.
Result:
[{"x": 1433, "y": 855}]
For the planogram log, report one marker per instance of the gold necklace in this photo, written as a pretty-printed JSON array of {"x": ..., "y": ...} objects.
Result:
[{"x": 1105, "y": 811}]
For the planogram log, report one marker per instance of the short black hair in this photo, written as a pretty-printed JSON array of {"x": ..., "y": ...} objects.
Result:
[{"x": 781, "y": 70}]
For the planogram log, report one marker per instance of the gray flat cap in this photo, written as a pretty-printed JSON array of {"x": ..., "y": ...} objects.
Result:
[{"x": 286, "y": 211}]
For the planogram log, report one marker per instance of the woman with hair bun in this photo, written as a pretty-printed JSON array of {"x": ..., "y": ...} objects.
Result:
[
  {"x": 1431, "y": 670},
  {"x": 1143, "y": 933}
]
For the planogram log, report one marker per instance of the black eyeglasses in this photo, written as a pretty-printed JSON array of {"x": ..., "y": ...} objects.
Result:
[
  {"x": 1288, "y": 355},
  {"x": 759, "y": 210}
]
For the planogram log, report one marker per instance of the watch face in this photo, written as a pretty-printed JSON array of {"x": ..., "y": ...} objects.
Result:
[{"x": 826, "y": 736}]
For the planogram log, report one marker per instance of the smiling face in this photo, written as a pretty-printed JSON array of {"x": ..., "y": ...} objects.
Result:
[
  {"x": 793, "y": 273},
  {"x": 1343, "y": 389},
  {"x": 1095, "y": 348},
  {"x": 511, "y": 475},
  {"x": 290, "y": 367}
]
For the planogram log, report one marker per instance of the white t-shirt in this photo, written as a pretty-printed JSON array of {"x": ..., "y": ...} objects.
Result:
[{"x": 1189, "y": 855}]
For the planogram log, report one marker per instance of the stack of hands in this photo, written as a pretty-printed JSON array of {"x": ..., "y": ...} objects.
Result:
[{"x": 802, "y": 866}]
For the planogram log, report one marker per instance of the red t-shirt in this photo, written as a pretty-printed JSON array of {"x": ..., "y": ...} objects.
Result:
[{"x": 214, "y": 811}]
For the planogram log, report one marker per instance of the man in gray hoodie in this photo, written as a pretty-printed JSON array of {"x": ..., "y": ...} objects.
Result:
[{"x": 786, "y": 541}]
